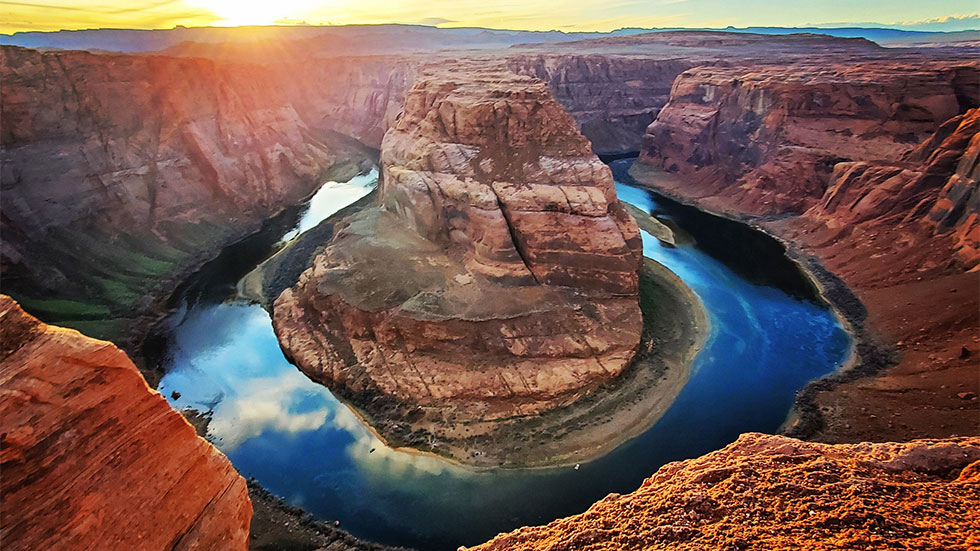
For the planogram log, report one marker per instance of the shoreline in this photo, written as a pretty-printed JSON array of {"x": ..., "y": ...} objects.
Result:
[
  {"x": 278, "y": 525},
  {"x": 617, "y": 411},
  {"x": 868, "y": 355},
  {"x": 263, "y": 283},
  {"x": 570, "y": 430},
  {"x": 160, "y": 299}
]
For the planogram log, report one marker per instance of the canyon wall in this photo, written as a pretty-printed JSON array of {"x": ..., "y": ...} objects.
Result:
[
  {"x": 870, "y": 169},
  {"x": 356, "y": 96},
  {"x": 94, "y": 459},
  {"x": 932, "y": 187},
  {"x": 613, "y": 98},
  {"x": 497, "y": 278},
  {"x": 146, "y": 164},
  {"x": 153, "y": 163},
  {"x": 769, "y": 136},
  {"x": 773, "y": 492}
]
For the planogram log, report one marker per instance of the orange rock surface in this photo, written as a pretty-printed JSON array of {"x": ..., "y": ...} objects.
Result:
[
  {"x": 934, "y": 185},
  {"x": 905, "y": 236},
  {"x": 93, "y": 459},
  {"x": 773, "y": 492}
]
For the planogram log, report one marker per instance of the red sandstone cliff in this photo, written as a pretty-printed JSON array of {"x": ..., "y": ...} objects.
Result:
[
  {"x": 877, "y": 164},
  {"x": 773, "y": 492},
  {"x": 497, "y": 279},
  {"x": 94, "y": 459},
  {"x": 146, "y": 163},
  {"x": 933, "y": 186},
  {"x": 613, "y": 98},
  {"x": 155, "y": 162},
  {"x": 767, "y": 137}
]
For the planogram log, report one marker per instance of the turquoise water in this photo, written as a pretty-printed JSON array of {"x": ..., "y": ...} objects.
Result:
[{"x": 769, "y": 337}]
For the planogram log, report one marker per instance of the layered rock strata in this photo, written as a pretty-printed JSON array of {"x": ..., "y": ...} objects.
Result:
[
  {"x": 872, "y": 171},
  {"x": 156, "y": 162},
  {"x": 124, "y": 185},
  {"x": 613, "y": 98},
  {"x": 497, "y": 278},
  {"x": 769, "y": 136},
  {"x": 94, "y": 459},
  {"x": 934, "y": 186},
  {"x": 773, "y": 492}
]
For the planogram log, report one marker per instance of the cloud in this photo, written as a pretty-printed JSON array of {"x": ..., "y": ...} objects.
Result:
[
  {"x": 266, "y": 404},
  {"x": 948, "y": 23},
  {"x": 435, "y": 21},
  {"x": 372, "y": 455}
]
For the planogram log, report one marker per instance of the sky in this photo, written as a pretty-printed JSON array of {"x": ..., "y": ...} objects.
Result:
[{"x": 565, "y": 15}]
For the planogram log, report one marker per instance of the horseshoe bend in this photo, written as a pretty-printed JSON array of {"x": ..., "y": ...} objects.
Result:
[
  {"x": 396, "y": 286},
  {"x": 497, "y": 278}
]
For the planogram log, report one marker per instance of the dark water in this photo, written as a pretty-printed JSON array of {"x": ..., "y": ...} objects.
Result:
[{"x": 769, "y": 337}]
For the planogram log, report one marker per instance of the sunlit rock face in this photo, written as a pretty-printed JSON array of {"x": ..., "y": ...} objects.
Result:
[
  {"x": 935, "y": 185},
  {"x": 773, "y": 492},
  {"x": 767, "y": 137},
  {"x": 93, "y": 459},
  {"x": 870, "y": 168},
  {"x": 136, "y": 165},
  {"x": 494, "y": 170},
  {"x": 497, "y": 277}
]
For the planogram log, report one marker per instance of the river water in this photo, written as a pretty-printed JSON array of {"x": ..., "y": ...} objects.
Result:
[{"x": 770, "y": 335}]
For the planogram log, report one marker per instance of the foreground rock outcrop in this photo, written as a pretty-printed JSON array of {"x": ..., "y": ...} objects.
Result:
[
  {"x": 773, "y": 492},
  {"x": 93, "y": 459},
  {"x": 498, "y": 278},
  {"x": 870, "y": 171}
]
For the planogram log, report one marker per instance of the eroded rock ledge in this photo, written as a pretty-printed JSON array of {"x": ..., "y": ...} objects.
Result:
[
  {"x": 774, "y": 492},
  {"x": 497, "y": 278},
  {"x": 93, "y": 459}
]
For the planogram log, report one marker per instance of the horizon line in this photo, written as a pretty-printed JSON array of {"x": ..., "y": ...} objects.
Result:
[{"x": 421, "y": 25}]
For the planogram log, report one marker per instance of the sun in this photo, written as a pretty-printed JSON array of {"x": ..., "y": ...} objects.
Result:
[{"x": 233, "y": 13}]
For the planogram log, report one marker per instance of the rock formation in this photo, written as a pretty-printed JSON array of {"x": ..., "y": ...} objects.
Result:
[
  {"x": 613, "y": 98},
  {"x": 774, "y": 133},
  {"x": 156, "y": 162},
  {"x": 496, "y": 279},
  {"x": 773, "y": 492},
  {"x": 138, "y": 180},
  {"x": 935, "y": 185},
  {"x": 94, "y": 459},
  {"x": 876, "y": 166}
]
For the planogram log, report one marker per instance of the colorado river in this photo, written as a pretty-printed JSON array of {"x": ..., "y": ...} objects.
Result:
[{"x": 769, "y": 336}]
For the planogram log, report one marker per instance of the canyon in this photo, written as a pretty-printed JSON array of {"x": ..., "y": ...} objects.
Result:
[
  {"x": 497, "y": 232},
  {"x": 124, "y": 203},
  {"x": 870, "y": 171},
  {"x": 235, "y": 138},
  {"x": 497, "y": 229}
]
